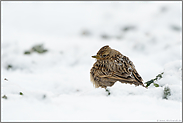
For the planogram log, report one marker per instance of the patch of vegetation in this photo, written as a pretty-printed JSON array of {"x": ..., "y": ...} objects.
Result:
[
  {"x": 175, "y": 28},
  {"x": 105, "y": 36},
  {"x": 21, "y": 93},
  {"x": 166, "y": 92},
  {"x": 4, "y": 97},
  {"x": 128, "y": 28},
  {"x": 37, "y": 48},
  {"x": 108, "y": 92},
  {"x": 9, "y": 66},
  {"x": 27, "y": 52},
  {"x": 86, "y": 33},
  {"x": 119, "y": 37},
  {"x": 158, "y": 77},
  {"x": 44, "y": 96}
]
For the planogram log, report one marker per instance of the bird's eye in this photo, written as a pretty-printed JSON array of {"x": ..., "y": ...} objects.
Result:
[{"x": 104, "y": 55}]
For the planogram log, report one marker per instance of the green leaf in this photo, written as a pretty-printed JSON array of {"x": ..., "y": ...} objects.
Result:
[{"x": 156, "y": 85}]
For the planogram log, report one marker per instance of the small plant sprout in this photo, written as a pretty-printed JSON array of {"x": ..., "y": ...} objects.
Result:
[
  {"x": 158, "y": 77},
  {"x": 4, "y": 97},
  {"x": 166, "y": 92},
  {"x": 21, "y": 93}
]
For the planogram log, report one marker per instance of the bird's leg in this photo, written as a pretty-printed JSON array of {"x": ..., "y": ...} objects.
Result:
[{"x": 108, "y": 92}]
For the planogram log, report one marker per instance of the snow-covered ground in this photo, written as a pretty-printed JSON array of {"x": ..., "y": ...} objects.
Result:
[{"x": 56, "y": 84}]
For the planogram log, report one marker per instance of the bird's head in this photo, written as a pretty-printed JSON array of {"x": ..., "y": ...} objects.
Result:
[{"x": 103, "y": 53}]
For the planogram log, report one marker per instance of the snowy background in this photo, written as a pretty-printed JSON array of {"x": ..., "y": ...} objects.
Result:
[{"x": 55, "y": 85}]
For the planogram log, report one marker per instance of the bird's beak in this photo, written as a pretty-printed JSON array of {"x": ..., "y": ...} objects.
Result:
[{"x": 96, "y": 56}]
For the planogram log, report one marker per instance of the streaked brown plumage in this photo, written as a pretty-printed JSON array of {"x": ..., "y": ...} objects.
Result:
[{"x": 112, "y": 66}]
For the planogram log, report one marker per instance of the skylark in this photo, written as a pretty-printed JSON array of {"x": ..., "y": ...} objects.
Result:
[{"x": 112, "y": 66}]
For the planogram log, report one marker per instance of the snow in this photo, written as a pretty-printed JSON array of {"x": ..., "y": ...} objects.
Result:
[{"x": 56, "y": 85}]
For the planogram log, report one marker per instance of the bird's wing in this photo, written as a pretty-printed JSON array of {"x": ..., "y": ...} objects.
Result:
[
  {"x": 129, "y": 65},
  {"x": 134, "y": 71},
  {"x": 121, "y": 71}
]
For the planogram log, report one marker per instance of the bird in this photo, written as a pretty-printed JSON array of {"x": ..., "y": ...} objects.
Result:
[{"x": 112, "y": 66}]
